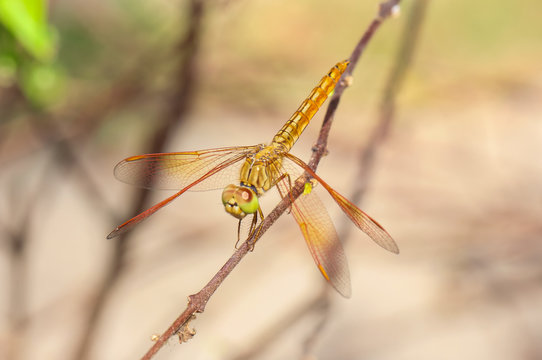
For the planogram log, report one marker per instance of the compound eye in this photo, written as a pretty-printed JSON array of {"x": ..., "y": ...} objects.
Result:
[
  {"x": 228, "y": 193},
  {"x": 247, "y": 200}
]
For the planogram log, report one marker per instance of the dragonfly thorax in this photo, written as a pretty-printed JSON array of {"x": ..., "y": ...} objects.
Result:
[
  {"x": 262, "y": 170},
  {"x": 239, "y": 200}
]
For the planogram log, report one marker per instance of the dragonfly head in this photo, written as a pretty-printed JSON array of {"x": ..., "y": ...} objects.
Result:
[{"x": 239, "y": 200}]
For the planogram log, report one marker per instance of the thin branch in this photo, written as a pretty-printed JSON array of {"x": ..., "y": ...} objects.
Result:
[
  {"x": 176, "y": 112},
  {"x": 65, "y": 151},
  {"x": 282, "y": 323},
  {"x": 18, "y": 240},
  {"x": 386, "y": 9},
  {"x": 367, "y": 157},
  {"x": 197, "y": 302},
  {"x": 408, "y": 43},
  {"x": 87, "y": 116},
  {"x": 313, "y": 305}
]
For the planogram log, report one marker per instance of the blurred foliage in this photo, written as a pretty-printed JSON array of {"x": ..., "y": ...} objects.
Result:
[
  {"x": 103, "y": 39},
  {"x": 27, "y": 21},
  {"x": 27, "y": 51}
]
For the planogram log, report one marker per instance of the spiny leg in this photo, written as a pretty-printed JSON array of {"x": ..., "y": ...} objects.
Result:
[
  {"x": 238, "y": 233},
  {"x": 281, "y": 178},
  {"x": 254, "y": 228}
]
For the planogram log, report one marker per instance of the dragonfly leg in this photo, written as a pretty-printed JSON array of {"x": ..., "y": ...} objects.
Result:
[
  {"x": 282, "y": 178},
  {"x": 255, "y": 228},
  {"x": 251, "y": 233},
  {"x": 238, "y": 233}
]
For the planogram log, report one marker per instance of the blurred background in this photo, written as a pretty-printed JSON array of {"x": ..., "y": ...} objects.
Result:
[{"x": 455, "y": 87}]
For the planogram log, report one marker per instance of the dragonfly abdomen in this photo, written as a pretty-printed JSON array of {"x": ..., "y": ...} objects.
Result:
[{"x": 290, "y": 132}]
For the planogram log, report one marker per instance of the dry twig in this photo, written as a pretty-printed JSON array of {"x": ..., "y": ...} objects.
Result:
[
  {"x": 22, "y": 204},
  {"x": 178, "y": 108},
  {"x": 197, "y": 302},
  {"x": 367, "y": 155}
]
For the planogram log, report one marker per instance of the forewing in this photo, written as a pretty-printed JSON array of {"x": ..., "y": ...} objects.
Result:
[
  {"x": 226, "y": 163},
  {"x": 363, "y": 221},
  {"x": 174, "y": 171},
  {"x": 321, "y": 238}
]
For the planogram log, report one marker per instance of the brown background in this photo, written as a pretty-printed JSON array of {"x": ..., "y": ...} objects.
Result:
[{"x": 457, "y": 183}]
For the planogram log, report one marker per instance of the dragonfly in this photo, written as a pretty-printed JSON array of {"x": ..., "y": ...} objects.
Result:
[{"x": 245, "y": 173}]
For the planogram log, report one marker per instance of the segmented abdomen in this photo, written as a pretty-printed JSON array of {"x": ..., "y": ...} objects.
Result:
[{"x": 290, "y": 132}]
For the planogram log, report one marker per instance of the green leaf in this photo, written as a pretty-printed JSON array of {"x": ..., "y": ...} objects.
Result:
[{"x": 27, "y": 21}]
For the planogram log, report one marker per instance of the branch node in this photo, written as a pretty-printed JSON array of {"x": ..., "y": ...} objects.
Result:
[
  {"x": 389, "y": 8},
  {"x": 197, "y": 302},
  {"x": 347, "y": 80},
  {"x": 395, "y": 11},
  {"x": 320, "y": 148}
]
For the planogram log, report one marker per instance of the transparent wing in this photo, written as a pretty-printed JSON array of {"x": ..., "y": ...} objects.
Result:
[
  {"x": 174, "y": 171},
  {"x": 363, "y": 221},
  {"x": 154, "y": 166},
  {"x": 321, "y": 238}
]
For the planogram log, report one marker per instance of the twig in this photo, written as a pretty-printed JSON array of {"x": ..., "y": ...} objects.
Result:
[
  {"x": 65, "y": 151},
  {"x": 314, "y": 304},
  {"x": 18, "y": 240},
  {"x": 197, "y": 302},
  {"x": 90, "y": 115},
  {"x": 179, "y": 107},
  {"x": 282, "y": 323},
  {"x": 368, "y": 154},
  {"x": 407, "y": 48},
  {"x": 85, "y": 116}
]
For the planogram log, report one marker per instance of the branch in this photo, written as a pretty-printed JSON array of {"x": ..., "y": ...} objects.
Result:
[
  {"x": 287, "y": 320},
  {"x": 22, "y": 204},
  {"x": 367, "y": 156},
  {"x": 197, "y": 302},
  {"x": 386, "y": 114},
  {"x": 320, "y": 303},
  {"x": 175, "y": 113}
]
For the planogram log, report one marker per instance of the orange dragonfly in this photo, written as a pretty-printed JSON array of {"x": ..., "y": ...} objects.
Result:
[{"x": 256, "y": 169}]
